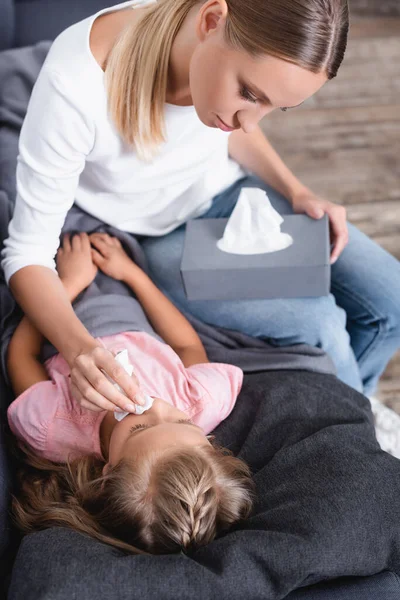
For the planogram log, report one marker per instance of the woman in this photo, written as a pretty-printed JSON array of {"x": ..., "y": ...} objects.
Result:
[{"x": 197, "y": 68}]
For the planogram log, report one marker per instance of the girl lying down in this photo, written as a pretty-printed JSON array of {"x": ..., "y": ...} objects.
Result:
[{"x": 154, "y": 482}]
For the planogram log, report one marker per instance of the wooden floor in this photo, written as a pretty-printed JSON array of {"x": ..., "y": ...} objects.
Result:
[{"x": 344, "y": 143}]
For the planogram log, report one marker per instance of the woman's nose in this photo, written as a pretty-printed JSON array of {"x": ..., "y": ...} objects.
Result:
[
  {"x": 248, "y": 126},
  {"x": 249, "y": 119}
]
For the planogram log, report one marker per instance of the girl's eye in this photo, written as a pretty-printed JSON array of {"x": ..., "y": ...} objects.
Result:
[
  {"x": 136, "y": 427},
  {"x": 244, "y": 93},
  {"x": 144, "y": 426}
]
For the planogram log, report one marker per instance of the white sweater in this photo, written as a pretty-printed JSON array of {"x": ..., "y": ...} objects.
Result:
[{"x": 70, "y": 151}]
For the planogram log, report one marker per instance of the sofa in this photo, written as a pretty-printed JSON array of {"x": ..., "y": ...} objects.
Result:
[{"x": 58, "y": 564}]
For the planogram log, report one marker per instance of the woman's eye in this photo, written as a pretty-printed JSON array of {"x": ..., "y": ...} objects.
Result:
[{"x": 244, "y": 93}]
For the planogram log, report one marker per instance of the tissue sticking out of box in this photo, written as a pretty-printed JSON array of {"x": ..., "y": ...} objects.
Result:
[
  {"x": 254, "y": 226},
  {"x": 123, "y": 359}
]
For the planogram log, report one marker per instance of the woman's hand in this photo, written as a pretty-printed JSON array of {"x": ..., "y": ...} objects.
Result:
[
  {"x": 74, "y": 263},
  {"x": 93, "y": 390},
  {"x": 89, "y": 369},
  {"x": 110, "y": 256},
  {"x": 307, "y": 202}
]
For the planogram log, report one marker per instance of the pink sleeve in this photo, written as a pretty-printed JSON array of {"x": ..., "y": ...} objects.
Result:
[
  {"x": 52, "y": 423},
  {"x": 31, "y": 413},
  {"x": 220, "y": 384}
]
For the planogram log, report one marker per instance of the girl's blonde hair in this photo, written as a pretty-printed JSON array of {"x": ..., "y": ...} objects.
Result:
[
  {"x": 309, "y": 33},
  {"x": 162, "y": 503}
]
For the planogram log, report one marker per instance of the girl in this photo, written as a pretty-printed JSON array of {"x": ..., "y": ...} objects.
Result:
[
  {"x": 153, "y": 482},
  {"x": 149, "y": 117}
]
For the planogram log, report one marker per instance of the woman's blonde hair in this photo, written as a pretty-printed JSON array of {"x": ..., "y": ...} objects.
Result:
[
  {"x": 309, "y": 33},
  {"x": 162, "y": 503}
]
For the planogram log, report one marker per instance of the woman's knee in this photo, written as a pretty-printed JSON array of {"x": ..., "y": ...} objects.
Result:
[
  {"x": 335, "y": 340},
  {"x": 368, "y": 276},
  {"x": 327, "y": 328},
  {"x": 391, "y": 302}
]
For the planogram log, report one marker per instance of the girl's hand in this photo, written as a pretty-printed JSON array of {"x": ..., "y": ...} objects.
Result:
[
  {"x": 315, "y": 207},
  {"x": 93, "y": 390},
  {"x": 74, "y": 263},
  {"x": 110, "y": 256}
]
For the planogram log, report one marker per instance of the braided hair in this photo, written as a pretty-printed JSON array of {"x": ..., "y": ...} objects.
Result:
[{"x": 172, "y": 501}]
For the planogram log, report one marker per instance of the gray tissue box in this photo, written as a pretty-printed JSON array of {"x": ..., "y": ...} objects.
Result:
[{"x": 301, "y": 270}]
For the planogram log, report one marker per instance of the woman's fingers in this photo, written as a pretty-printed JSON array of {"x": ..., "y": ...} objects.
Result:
[
  {"x": 89, "y": 366},
  {"x": 128, "y": 384},
  {"x": 86, "y": 395},
  {"x": 79, "y": 397},
  {"x": 340, "y": 233}
]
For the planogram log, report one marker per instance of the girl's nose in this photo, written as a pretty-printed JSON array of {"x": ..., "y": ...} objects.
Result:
[{"x": 160, "y": 409}]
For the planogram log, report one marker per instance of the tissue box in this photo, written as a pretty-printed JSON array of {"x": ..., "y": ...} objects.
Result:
[{"x": 301, "y": 270}]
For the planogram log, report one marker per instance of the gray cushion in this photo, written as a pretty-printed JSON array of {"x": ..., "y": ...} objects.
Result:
[{"x": 327, "y": 507}]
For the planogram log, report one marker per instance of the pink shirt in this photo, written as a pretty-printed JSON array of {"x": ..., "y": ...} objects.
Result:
[{"x": 55, "y": 426}]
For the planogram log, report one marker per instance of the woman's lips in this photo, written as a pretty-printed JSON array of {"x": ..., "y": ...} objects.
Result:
[{"x": 223, "y": 125}]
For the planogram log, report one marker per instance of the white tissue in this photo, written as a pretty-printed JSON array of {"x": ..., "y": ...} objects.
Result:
[
  {"x": 123, "y": 359},
  {"x": 254, "y": 226}
]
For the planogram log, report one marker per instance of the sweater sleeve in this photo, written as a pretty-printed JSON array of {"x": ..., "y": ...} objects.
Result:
[{"x": 56, "y": 136}]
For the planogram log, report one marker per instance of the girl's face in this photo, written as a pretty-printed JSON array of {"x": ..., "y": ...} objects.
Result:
[
  {"x": 235, "y": 87},
  {"x": 161, "y": 427}
]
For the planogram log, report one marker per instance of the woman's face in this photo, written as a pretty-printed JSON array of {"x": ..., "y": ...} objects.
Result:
[
  {"x": 162, "y": 426},
  {"x": 230, "y": 84}
]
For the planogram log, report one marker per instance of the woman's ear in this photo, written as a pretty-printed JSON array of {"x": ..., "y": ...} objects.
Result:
[{"x": 213, "y": 14}]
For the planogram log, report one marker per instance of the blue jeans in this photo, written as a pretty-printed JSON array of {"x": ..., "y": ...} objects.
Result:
[{"x": 358, "y": 324}]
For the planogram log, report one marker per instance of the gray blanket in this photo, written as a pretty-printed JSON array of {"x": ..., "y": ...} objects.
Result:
[{"x": 108, "y": 307}]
